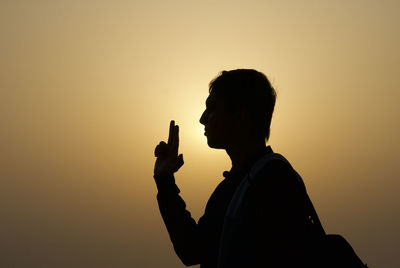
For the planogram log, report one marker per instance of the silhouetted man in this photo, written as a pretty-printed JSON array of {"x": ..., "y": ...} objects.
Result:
[{"x": 256, "y": 216}]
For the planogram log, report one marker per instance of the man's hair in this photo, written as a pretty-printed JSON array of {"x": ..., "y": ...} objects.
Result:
[{"x": 249, "y": 89}]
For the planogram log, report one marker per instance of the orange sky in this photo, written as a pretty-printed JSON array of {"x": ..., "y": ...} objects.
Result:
[{"x": 88, "y": 89}]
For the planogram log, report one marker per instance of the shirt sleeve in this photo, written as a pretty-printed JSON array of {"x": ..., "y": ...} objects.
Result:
[{"x": 182, "y": 228}]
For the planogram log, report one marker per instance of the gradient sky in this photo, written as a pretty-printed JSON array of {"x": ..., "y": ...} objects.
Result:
[{"x": 88, "y": 89}]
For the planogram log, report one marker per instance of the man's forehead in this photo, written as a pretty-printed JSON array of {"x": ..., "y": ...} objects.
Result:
[
  {"x": 216, "y": 100},
  {"x": 212, "y": 98}
]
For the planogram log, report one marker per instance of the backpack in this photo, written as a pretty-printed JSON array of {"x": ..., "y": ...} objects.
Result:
[
  {"x": 326, "y": 250},
  {"x": 323, "y": 250}
]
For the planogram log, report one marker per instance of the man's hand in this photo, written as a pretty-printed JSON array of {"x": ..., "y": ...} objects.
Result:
[{"x": 168, "y": 161}]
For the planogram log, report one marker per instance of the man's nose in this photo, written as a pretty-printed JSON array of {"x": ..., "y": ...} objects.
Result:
[{"x": 203, "y": 118}]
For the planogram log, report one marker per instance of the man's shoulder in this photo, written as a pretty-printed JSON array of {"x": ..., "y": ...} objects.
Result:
[
  {"x": 274, "y": 170},
  {"x": 271, "y": 164}
]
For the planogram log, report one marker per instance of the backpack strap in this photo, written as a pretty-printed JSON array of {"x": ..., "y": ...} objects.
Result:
[
  {"x": 312, "y": 213},
  {"x": 234, "y": 211}
]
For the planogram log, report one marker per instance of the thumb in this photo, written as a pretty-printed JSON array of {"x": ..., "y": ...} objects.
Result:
[{"x": 180, "y": 161}]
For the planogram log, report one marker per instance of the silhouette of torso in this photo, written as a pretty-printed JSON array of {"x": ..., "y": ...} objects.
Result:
[
  {"x": 272, "y": 231},
  {"x": 211, "y": 223}
]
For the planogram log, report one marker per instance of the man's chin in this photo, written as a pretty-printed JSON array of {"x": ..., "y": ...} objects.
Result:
[{"x": 215, "y": 145}]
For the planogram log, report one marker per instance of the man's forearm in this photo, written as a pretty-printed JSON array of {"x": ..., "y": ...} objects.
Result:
[{"x": 182, "y": 228}]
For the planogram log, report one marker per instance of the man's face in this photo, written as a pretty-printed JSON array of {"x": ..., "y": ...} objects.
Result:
[{"x": 218, "y": 121}]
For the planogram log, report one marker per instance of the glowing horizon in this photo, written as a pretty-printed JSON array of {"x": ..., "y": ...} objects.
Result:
[{"x": 88, "y": 91}]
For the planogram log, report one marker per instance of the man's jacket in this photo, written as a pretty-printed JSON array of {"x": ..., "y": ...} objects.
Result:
[
  {"x": 256, "y": 218},
  {"x": 237, "y": 246}
]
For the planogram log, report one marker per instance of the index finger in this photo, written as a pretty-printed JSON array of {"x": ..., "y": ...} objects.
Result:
[{"x": 171, "y": 131}]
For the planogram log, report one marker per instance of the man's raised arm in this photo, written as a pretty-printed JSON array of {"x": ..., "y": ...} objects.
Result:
[{"x": 182, "y": 228}]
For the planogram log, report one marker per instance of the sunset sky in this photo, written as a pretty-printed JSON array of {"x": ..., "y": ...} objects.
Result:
[{"x": 88, "y": 89}]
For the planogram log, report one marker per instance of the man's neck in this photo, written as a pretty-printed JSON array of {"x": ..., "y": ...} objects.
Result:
[{"x": 243, "y": 155}]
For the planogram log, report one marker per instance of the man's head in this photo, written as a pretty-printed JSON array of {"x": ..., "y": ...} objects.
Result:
[{"x": 240, "y": 101}]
